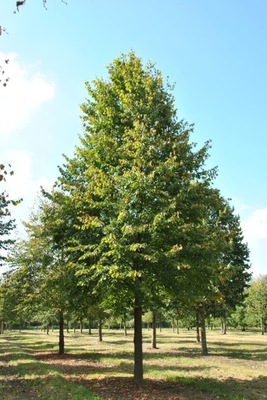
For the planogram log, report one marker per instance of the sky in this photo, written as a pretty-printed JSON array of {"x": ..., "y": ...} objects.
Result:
[{"x": 213, "y": 51}]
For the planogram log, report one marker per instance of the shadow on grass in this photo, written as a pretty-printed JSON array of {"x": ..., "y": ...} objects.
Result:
[
  {"x": 74, "y": 364},
  {"x": 38, "y": 366},
  {"x": 121, "y": 388},
  {"x": 117, "y": 342},
  {"x": 232, "y": 350},
  {"x": 230, "y": 389},
  {"x": 50, "y": 387},
  {"x": 179, "y": 388}
]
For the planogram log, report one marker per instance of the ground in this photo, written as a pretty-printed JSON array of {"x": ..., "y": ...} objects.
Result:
[{"x": 32, "y": 369}]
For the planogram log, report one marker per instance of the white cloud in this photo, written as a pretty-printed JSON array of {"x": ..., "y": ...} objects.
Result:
[
  {"x": 22, "y": 183},
  {"x": 254, "y": 227},
  {"x": 24, "y": 92}
]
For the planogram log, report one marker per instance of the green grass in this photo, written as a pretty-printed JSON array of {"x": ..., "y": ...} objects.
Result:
[
  {"x": 23, "y": 377},
  {"x": 236, "y": 368}
]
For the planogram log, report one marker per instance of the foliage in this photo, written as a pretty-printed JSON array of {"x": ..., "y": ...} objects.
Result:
[
  {"x": 233, "y": 274},
  {"x": 142, "y": 196},
  {"x": 133, "y": 223},
  {"x": 7, "y": 224},
  {"x": 257, "y": 300},
  {"x": 40, "y": 279},
  {"x": 135, "y": 179}
]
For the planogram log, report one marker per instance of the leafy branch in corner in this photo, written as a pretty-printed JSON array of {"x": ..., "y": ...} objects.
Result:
[{"x": 3, "y": 80}]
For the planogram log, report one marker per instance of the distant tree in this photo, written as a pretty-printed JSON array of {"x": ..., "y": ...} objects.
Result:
[
  {"x": 233, "y": 274},
  {"x": 218, "y": 273},
  {"x": 41, "y": 275},
  {"x": 257, "y": 301},
  {"x": 240, "y": 317}
]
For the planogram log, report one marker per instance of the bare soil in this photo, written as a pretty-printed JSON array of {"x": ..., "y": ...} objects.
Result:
[{"x": 119, "y": 388}]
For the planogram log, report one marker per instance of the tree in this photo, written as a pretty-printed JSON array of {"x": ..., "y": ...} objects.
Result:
[
  {"x": 233, "y": 274},
  {"x": 41, "y": 274},
  {"x": 139, "y": 187},
  {"x": 257, "y": 301},
  {"x": 6, "y": 223},
  {"x": 240, "y": 318},
  {"x": 219, "y": 274}
]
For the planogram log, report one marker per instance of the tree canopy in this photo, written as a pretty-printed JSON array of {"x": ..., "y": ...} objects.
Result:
[
  {"x": 134, "y": 221},
  {"x": 147, "y": 215}
]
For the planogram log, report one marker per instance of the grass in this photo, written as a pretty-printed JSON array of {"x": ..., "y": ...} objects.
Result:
[{"x": 236, "y": 368}]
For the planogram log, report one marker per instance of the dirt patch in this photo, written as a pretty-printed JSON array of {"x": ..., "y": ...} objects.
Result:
[
  {"x": 125, "y": 389},
  {"x": 77, "y": 369}
]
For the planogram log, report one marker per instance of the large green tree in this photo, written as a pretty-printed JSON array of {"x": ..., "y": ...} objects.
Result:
[{"x": 139, "y": 186}]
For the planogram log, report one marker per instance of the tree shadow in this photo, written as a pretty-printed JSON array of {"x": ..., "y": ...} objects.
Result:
[
  {"x": 116, "y": 388},
  {"x": 230, "y": 388},
  {"x": 82, "y": 367},
  {"x": 233, "y": 351}
]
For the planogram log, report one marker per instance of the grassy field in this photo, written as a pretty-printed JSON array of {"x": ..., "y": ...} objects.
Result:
[{"x": 30, "y": 367}]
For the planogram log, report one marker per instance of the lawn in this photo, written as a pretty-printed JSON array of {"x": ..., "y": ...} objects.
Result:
[{"x": 30, "y": 368}]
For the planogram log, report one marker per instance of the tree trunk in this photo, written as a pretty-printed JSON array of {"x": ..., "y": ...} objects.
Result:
[
  {"x": 138, "y": 340},
  {"x": 125, "y": 327},
  {"x": 223, "y": 325},
  {"x": 154, "y": 330},
  {"x": 197, "y": 323},
  {"x": 160, "y": 325},
  {"x": 204, "y": 346},
  {"x": 177, "y": 326},
  {"x": 61, "y": 332},
  {"x": 173, "y": 329},
  {"x": 81, "y": 326},
  {"x": 262, "y": 326},
  {"x": 100, "y": 336},
  {"x": 89, "y": 326}
]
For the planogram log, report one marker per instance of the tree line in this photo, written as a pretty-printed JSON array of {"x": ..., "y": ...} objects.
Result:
[{"x": 133, "y": 222}]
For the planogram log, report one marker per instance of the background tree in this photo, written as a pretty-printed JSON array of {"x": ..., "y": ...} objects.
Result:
[
  {"x": 257, "y": 301},
  {"x": 233, "y": 274},
  {"x": 41, "y": 270},
  {"x": 7, "y": 224},
  {"x": 240, "y": 318}
]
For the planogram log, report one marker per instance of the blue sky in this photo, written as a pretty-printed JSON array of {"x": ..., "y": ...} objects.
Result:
[{"x": 214, "y": 51}]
